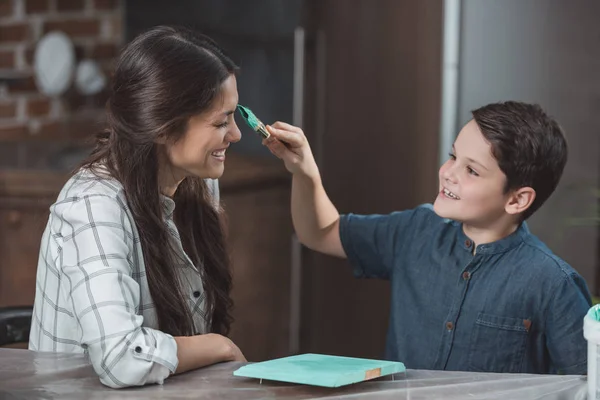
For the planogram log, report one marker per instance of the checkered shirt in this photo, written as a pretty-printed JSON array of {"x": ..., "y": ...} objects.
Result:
[{"x": 92, "y": 294}]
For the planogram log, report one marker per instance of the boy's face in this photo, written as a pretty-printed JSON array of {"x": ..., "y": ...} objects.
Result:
[{"x": 471, "y": 182}]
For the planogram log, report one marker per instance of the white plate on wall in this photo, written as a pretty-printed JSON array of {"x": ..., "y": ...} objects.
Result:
[{"x": 54, "y": 63}]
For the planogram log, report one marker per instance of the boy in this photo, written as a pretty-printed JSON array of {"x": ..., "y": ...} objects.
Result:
[{"x": 472, "y": 288}]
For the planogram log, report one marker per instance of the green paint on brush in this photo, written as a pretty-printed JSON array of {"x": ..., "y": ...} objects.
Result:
[
  {"x": 253, "y": 122},
  {"x": 249, "y": 117}
]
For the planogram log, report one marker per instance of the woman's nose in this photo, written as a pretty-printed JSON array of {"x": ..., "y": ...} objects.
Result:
[{"x": 234, "y": 135}]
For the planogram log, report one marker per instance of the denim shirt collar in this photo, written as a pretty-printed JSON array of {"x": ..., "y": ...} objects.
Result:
[{"x": 499, "y": 246}]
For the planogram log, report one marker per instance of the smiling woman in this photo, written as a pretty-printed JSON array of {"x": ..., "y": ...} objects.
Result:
[
  {"x": 133, "y": 268},
  {"x": 201, "y": 150}
]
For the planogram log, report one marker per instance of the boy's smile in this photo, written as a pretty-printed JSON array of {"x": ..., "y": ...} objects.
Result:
[{"x": 449, "y": 194}]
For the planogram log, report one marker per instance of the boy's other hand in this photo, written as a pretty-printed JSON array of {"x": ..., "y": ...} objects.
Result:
[{"x": 288, "y": 143}]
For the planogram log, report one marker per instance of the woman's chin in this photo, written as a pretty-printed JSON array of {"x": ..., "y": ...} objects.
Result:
[{"x": 214, "y": 173}]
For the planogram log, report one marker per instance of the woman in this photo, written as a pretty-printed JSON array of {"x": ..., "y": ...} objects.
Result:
[{"x": 133, "y": 269}]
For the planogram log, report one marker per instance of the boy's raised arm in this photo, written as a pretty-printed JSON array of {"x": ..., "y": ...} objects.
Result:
[{"x": 315, "y": 218}]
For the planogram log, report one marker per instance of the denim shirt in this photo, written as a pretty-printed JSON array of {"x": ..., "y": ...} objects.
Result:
[{"x": 513, "y": 307}]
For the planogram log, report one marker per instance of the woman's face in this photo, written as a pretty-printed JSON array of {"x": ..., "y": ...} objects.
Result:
[{"x": 201, "y": 150}]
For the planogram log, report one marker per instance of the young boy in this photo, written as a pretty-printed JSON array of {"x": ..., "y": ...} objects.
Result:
[{"x": 472, "y": 288}]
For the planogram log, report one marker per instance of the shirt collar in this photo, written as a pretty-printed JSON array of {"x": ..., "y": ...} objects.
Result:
[
  {"x": 168, "y": 206},
  {"x": 499, "y": 246}
]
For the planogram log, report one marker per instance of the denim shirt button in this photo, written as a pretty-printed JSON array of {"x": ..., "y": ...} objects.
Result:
[
  {"x": 468, "y": 243},
  {"x": 466, "y": 275},
  {"x": 449, "y": 325}
]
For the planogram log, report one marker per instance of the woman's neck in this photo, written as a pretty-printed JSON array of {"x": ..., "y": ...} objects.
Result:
[{"x": 169, "y": 178}]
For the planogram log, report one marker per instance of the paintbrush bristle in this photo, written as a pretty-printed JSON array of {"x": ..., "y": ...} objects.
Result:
[{"x": 252, "y": 121}]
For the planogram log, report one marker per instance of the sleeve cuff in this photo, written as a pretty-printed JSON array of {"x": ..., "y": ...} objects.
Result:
[{"x": 163, "y": 353}]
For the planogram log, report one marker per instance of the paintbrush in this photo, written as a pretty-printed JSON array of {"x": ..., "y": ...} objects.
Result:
[{"x": 253, "y": 122}]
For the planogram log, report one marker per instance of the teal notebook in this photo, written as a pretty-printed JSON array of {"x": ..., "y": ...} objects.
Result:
[{"x": 320, "y": 370}]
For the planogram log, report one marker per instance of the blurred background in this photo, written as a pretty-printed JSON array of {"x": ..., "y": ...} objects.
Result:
[{"x": 381, "y": 88}]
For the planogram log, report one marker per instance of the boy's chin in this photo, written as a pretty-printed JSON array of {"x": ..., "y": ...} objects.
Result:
[{"x": 442, "y": 211}]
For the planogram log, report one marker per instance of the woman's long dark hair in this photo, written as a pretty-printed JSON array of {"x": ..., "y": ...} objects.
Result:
[{"x": 162, "y": 78}]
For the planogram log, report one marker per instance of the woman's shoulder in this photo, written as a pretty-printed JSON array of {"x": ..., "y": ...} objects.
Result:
[
  {"x": 86, "y": 183},
  {"x": 91, "y": 198}
]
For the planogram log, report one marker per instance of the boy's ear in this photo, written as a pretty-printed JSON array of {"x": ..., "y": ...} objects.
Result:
[{"x": 520, "y": 200}]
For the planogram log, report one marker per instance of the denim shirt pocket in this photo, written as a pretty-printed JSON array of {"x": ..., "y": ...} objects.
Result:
[{"x": 498, "y": 343}]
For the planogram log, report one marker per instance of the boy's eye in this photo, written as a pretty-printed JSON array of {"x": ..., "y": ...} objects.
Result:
[
  {"x": 222, "y": 125},
  {"x": 452, "y": 156},
  {"x": 472, "y": 171}
]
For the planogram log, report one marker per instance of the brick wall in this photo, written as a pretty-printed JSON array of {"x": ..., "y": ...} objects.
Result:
[{"x": 94, "y": 26}]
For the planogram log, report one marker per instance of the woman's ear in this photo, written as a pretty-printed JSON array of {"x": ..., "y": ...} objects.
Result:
[
  {"x": 161, "y": 139},
  {"x": 520, "y": 200}
]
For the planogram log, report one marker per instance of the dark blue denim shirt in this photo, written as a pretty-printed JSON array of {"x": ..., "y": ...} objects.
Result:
[{"x": 514, "y": 306}]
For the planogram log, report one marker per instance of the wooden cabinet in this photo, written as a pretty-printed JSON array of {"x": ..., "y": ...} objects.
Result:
[
  {"x": 256, "y": 197},
  {"x": 24, "y": 201},
  {"x": 372, "y": 116},
  {"x": 21, "y": 224},
  {"x": 260, "y": 240},
  {"x": 255, "y": 194},
  {"x": 19, "y": 251}
]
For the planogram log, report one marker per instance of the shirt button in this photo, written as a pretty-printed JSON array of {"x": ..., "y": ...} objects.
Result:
[
  {"x": 449, "y": 325},
  {"x": 466, "y": 275},
  {"x": 138, "y": 349},
  {"x": 468, "y": 243},
  {"x": 196, "y": 294}
]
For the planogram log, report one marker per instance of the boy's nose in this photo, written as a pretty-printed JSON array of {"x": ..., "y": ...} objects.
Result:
[{"x": 449, "y": 175}]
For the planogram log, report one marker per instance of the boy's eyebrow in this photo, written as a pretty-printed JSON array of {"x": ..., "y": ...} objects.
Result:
[{"x": 471, "y": 160}]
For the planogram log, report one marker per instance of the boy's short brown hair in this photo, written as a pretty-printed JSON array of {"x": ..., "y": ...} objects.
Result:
[{"x": 529, "y": 145}]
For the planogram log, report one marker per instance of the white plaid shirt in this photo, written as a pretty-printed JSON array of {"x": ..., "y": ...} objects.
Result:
[{"x": 92, "y": 295}]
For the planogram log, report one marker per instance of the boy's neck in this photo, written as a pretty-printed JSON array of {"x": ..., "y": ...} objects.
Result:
[{"x": 491, "y": 233}]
